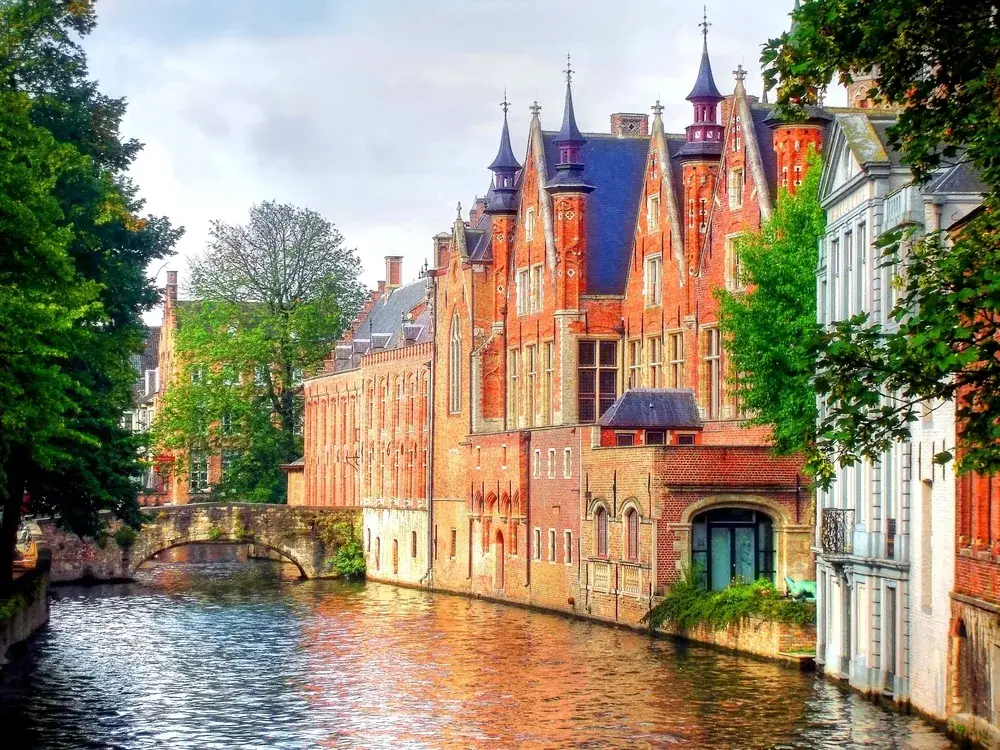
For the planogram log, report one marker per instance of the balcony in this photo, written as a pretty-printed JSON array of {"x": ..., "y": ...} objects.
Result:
[
  {"x": 837, "y": 531},
  {"x": 903, "y": 207}
]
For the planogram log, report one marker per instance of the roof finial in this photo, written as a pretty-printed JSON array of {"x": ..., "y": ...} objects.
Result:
[
  {"x": 740, "y": 73},
  {"x": 657, "y": 108},
  {"x": 569, "y": 70},
  {"x": 704, "y": 25},
  {"x": 505, "y": 104},
  {"x": 459, "y": 210},
  {"x": 535, "y": 108}
]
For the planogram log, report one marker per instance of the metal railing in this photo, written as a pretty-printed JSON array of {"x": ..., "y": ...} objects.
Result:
[{"x": 837, "y": 531}]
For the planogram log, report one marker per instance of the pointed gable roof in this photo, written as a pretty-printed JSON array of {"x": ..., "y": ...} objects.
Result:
[
  {"x": 505, "y": 158},
  {"x": 704, "y": 84},
  {"x": 569, "y": 132}
]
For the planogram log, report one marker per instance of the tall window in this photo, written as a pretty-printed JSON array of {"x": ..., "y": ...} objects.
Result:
[
  {"x": 547, "y": 376},
  {"x": 567, "y": 463},
  {"x": 653, "y": 213},
  {"x": 530, "y": 353},
  {"x": 552, "y": 545},
  {"x": 834, "y": 277},
  {"x": 601, "y": 531},
  {"x": 735, "y": 188},
  {"x": 652, "y": 280},
  {"x": 529, "y": 224},
  {"x": 713, "y": 372},
  {"x": 552, "y": 463},
  {"x": 198, "y": 476},
  {"x": 734, "y": 264},
  {"x": 597, "y": 381},
  {"x": 523, "y": 292},
  {"x": 631, "y": 534},
  {"x": 537, "y": 552},
  {"x": 536, "y": 463},
  {"x": 513, "y": 385},
  {"x": 634, "y": 363},
  {"x": 848, "y": 272},
  {"x": 655, "y": 362},
  {"x": 862, "y": 267},
  {"x": 676, "y": 344},
  {"x": 536, "y": 288},
  {"x": 228, "y": 461},
  {"x": 455, "y": 367},
  {"x": 413, "y": 544},
  {"x": 567, "y": 547}
]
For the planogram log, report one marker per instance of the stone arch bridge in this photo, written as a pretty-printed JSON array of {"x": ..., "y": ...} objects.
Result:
[{"x": 305, "y": 537}]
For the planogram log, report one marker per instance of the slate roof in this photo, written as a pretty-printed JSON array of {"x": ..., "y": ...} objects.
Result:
[
  {"x": 505, "y": 156},
  {"x": 654, "y": 408},
  {"x": 148, "y": 359},
  {"x": 569, "y": 132},
  {"x": 616, "y": 168},
  {"x": 384, "y": 323},
  {"x": 704, "y": 85},
  {"x": 960, "y": 178},
  {"x": 765, "y": 145}
]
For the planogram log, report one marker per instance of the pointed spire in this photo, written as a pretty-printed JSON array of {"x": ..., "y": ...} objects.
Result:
[
  {"x": 704, "y": 85},
  {"x": 763, "y": 97},
  {"x": 502, "y": 198},
  {"x": 505, "y": 159},
  {"x": 569, "y": 132}
]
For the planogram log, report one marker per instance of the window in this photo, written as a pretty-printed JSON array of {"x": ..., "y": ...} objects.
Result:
[
  {"x": 552, "y": 545},
  {"x": 547, "y": 377},
  {"x": 634, "y": 363},
  {"x": 537, "y": 552},
  {"x": 453, "y": 544},
  {"x": 713, "y": 372},
  {"x": 378, "y": 552},
  {"x": 226, "y": 424},
  {"x": 655, "y": 362},
  {"x": 127, "y": 421},
  {"x": 197, "y": 373},
  {"x": 734, "y": 264},
  {"x": 152, "y": 381},
  {"x": 601, "y": 531},
  {"x": 395, "y": 557},
  {"x": 848, "y": 272},
  {"x": 567, "y": 547},
  {"x": 529, "y": 224},
  {"x": 536, "y": 464},
  {"x": 654, "y": 437},
  {"x": 652, "y": 280},
  {"x": 368, "y": 540},
  {"x": 685, "y": 439},
  {"x": 567, "y": 463},
  {"x": 413, "y": 544},
  {"x": 228, "y": 461},
  {"x": 198, "y": 477},
  {"x": 260, "y": 376},
  {"x": 513, "y": 394},
  {"x": 597, "y": 382},
  {"x": 551, "y": 473},
  {"x": 702, "y": 215},
  {"x": 479, "y": 456},
  {"x": 732, "y": 544},
  {"x": 536, "y": 288},
  {"x": 676, "y": 344},
  {"x": 530, "y": 353},
  {"x": 631, "y": 534},
  {"x": 455, "y": 367},
  {"x": 653, "y": 213},
  {"x": 624, "y": 439},
  {"x": 735, "y": 188},
  {"x": 835, "y": 277},
  {"x": 523, "y": 291},
  {"x": 862, "y": 294},
  {"x": 230, "y": 376}
]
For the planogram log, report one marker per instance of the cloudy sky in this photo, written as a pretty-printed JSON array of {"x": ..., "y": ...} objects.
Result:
[{"x": 383, "y": 114}]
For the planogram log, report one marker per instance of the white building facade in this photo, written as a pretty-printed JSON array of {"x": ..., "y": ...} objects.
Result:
[{"x": 885, "y": 530}]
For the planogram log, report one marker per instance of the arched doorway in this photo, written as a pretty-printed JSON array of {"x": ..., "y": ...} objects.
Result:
[
  {"x": 499, "y": 562},
  {"x": 729, "y": 544}
]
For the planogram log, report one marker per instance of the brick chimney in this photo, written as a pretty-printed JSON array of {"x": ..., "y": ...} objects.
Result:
[
  {"x": 393, "y": 271},
  {"x": 170, "y": 294},
  {"x": 442, "y": 243},
  {"x": 629, "y": 125},
  {"x": 478, "y": 209}
]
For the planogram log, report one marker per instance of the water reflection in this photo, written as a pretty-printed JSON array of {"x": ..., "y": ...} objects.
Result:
[{"x": 208, "y": 651}]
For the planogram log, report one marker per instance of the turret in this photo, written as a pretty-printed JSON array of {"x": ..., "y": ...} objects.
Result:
[
  {"x": 503, "y": 195},
  {"x": 704, "y": 135},
  {"x": 569, "y": 177}
]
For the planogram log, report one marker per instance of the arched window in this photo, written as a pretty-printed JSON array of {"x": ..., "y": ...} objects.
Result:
[
  {"x": 455, "y": 367},
  {"x": 601, "y": 529},
  {"x": 631, "y": 534},
  {"x": 730, "y": 544}
]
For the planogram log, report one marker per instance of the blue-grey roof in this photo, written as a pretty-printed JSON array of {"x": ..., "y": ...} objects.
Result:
[
  {"x": 704, "y": 85},
  {"x": 960, "y": 178},
  {"x": 384, "y": 323},
  {"x": 569, "y": 132},
  {"x": 615, "y": 167},
  {"x": 505, "y": 156},
  {"x": 654, "y": 408},
  {"x": 761, "y": 115}
]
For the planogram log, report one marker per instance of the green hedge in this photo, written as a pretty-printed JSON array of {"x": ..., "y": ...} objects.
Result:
[{"x": 687, "y": 605}]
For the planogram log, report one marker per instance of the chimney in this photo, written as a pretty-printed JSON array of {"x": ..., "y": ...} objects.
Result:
[
  {"x": 629, "y": 125},
  {"x": 442, "y": 242},
  {"x": 478, "y": 209},
  {"x": 393, "y": 271},
  {"x": 170, "y": 295}
]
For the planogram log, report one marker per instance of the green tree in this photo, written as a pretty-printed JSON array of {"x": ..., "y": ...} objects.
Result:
[
  {"x": 938, "y": 61},
  {"x": 74, "y": 268},
  {"x": 770, "y": 326},
  {"x": 272, "y": 298}
]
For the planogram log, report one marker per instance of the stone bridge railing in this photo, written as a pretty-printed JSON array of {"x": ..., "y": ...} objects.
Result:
[{"x": 306, "y": 537}]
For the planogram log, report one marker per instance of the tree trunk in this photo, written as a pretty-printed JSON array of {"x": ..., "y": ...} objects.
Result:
[{"x": 12, "y": 502}]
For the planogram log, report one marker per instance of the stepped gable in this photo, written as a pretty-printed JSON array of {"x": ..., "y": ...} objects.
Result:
[{"x": 615, "y": 167}]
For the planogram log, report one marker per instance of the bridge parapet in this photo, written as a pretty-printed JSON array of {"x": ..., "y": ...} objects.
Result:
[{"x": 306, "y": 537}]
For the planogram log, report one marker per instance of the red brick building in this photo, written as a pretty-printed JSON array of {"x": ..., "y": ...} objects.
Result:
[{"x": 575, "y": 301}]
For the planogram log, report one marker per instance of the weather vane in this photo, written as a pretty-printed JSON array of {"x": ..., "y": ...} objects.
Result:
[
  {"x": 505, "y": 104},
  {"x": 569, "y": 70},
  {"x": 704, "y": 22}
]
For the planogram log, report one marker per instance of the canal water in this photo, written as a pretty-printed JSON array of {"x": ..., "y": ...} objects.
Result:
[{"x": 209, "y": 650}]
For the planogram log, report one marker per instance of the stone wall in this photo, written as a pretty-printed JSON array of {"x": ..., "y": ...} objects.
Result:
[
  {"x": 773, "y": 640},
  {"x": 32, "y": 603}
]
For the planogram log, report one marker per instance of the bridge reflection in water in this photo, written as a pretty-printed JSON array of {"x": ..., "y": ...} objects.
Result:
[{"x": 208, "y": 650}]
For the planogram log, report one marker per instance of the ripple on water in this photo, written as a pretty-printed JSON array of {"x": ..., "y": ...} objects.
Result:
[{"x": 229, "y": 654}]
